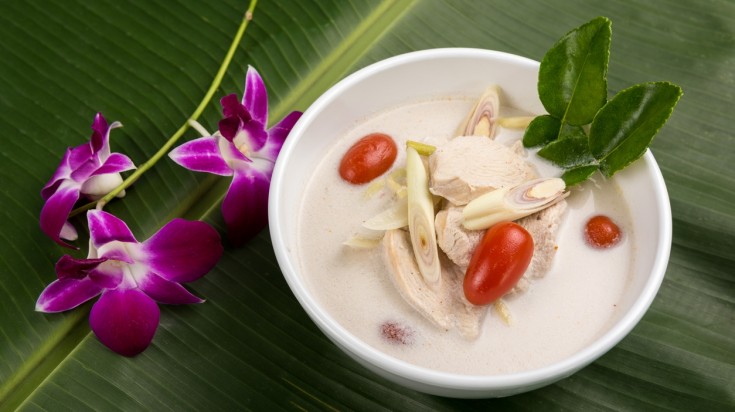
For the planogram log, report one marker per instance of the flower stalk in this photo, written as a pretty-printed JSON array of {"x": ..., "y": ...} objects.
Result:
[{"x": 132, "y": 178}]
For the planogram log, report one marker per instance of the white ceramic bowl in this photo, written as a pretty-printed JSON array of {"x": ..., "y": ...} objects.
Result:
[{"x": 441, "y": 72}]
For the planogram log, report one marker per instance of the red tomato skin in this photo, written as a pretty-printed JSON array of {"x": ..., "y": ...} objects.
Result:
[
  {"x": 498, "y": 262},
  {"x": 601, "y": 232},
  {"x": 368, "y": 158}
]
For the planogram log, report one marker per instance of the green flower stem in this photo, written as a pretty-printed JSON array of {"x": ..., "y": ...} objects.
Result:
[{"x": 184, "y": 127}]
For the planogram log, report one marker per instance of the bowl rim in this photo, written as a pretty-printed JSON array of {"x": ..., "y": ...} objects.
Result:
[{"x": 356, "y": 347}]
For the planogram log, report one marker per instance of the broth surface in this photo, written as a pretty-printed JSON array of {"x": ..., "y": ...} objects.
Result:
[{"x": 571, "y": 306}]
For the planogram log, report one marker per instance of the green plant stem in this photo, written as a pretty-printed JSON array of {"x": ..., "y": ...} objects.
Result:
[{"x": 185, "y": 126}]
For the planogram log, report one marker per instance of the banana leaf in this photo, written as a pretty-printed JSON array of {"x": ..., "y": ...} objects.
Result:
[{"x": 250, "y": 346}]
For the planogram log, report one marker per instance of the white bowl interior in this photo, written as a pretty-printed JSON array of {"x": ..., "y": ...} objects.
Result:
[{"x": 437, "y": 73}]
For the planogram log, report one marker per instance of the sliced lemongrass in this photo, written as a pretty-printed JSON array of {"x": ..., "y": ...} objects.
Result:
[
  {"x": 395, "y": 217},
  {"x": 393, "y": 185},
  {"x": 502, "y": 310},
  {"x": 374, "y": 187},
  {"x": 481, "y": 119},
  {"x": 421, "y": 218},
  {"x": 396, "y": 181},
  {"x": 398, "y": 174},
  {"x": 422, "y": 148},
  {"x": 511, "y": 203},
  {"x": 361, "y": 242},
  {"x": 517, "y": 122}
]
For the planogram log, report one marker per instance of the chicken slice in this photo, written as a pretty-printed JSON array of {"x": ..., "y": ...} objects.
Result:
[
  {"x": 446, "y": 307},
  {"x": 459, "y": 243},
  {"x": 453, "y": 239},
  {"x": 469, "y": 166},
  {"x": 543, "y": 226}
]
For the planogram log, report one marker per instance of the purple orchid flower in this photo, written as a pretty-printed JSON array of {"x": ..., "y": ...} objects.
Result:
[
  {"x": 89, "y": 169},
  {"x": 244, "y": 149},
  {"x": 132, "y": 277}
]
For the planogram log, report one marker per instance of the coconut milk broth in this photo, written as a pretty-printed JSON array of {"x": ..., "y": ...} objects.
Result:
[{"x": 573, "y": 305}]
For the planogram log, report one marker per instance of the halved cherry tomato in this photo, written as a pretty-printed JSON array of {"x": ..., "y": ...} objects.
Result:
[
  {"x": 601, "y": 232},
  {"x": 498, "y": 262},
  {"x": 369, "y": 158}
]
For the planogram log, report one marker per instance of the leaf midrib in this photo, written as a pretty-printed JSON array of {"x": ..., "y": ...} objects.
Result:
[{"x": 69, "y": 336}]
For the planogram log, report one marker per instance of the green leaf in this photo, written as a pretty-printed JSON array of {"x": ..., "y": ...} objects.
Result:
[
  {"x": 572, "y": 82},
  {"x": 568, "y": 131},
  {"x": 542, "y": 129},
  {"x": 251, "y": 345},
  {"x": 568, "y": 152},
  {"x": 627, "y": 124},
  {"x": 578, "y": 174},
  {"x": 546, "y": 129}
]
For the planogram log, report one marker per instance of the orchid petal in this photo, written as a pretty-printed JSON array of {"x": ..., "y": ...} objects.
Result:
[
  {"x": 53, "y": 184},
  {"x": 80, "y": 155},
  {"x": 182, "y": 251},
  {"x": 107, "y": 280},
  {"x": 73, "y": 158},
  {"x": 115, "y": 163},
  {"x": 125, "y": 320},
  {"x": 63, "y": 171},
  {"x": 67, "y": 293},
  {"x": 245, "y": 207},
  {"x": 201, "y": 155},
  {"x": 115, "y": 252},
  {"x": 70, "y": 268},
  {"x": 255, "y": 96},
  {"x": 109, "y": 274},
  {"x": 105, "y": 275},
  {"x": 85, "y": 170},
  {"x": 231, "y": 107},
  {"x": 105, "y": 228},
  {"x": 239, "y": 125},
  {"x": 234, "y": 157},
  {"x": 228, "y": 127},
  {"x": 252, "y": 134},
  {"x": 100, "y": 134},
  {"x": 164, "y": 291},
  {"x": 68, "y": 232},
  {"x": 100, "y": 141},
  {"x": 277, "y": 135},
  {"x": 56, "y": 211}
]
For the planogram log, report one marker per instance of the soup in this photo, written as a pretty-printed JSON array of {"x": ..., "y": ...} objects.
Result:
[{"x": 571, "y": 306}]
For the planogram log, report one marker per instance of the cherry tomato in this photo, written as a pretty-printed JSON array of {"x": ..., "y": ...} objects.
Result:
[
  {"x": 498, "y": 262},
  {"x": 601, "y": 232},
  {"x": 369, "y": 158}
]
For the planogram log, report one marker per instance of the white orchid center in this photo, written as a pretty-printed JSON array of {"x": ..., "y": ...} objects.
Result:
[
  {"x": 244, "y": 149},
  {"x": 241, "y": 142}
]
